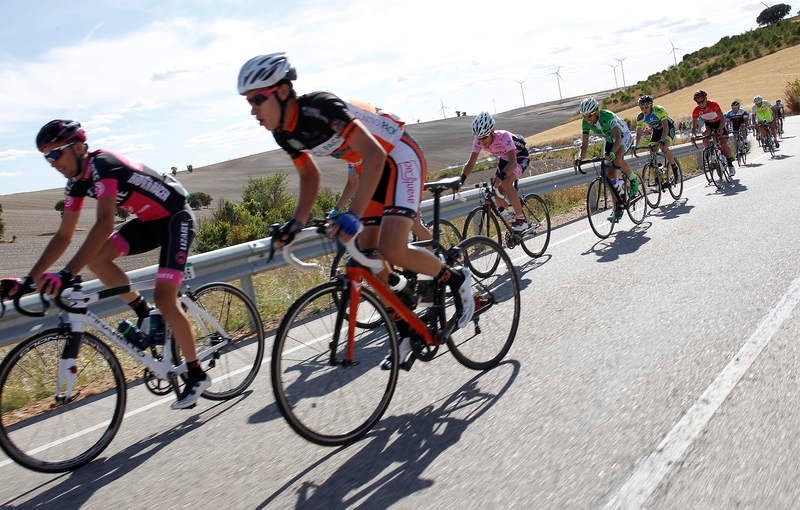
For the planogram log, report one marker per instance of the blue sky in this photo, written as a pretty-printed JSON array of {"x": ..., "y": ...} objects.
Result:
[{"x": 156, "y": 81}]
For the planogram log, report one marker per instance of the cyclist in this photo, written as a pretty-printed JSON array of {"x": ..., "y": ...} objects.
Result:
[
  {"x": 513, "y": 159},
  {"x": 779, "y": 114},
  {"x": 712, "y": 116},
  {"x": 764, "y": 114},
  {"x": 662, "y": 128},
  {"x": 163, "y": 219},
  {"x": 737, "y": 119},
  {"x": 392, "y": 171},
  {"x": 618, "y": 140}
]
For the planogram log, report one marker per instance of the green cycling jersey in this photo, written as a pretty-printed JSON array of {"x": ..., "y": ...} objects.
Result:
[
  {"x": 763, "y": 111},
  {"x": 606, "y": 122}
]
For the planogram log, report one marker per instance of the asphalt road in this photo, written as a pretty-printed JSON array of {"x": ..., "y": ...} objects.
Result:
[{"x": 656, "y": 368}]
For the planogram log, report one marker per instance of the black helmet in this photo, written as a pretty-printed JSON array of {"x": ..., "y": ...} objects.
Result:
[
  {"x": 60, "y": 131},
  {"x": 645, "y": 99}
]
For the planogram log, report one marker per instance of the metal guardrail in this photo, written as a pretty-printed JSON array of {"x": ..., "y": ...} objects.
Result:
[{"x": 243, "y": 260}]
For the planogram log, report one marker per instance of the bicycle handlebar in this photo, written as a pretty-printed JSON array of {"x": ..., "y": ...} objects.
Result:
[
  {"x": 593, "y": 160},
  {"x": 23, "y": 289},
  {"x": 314, "y": 231}
]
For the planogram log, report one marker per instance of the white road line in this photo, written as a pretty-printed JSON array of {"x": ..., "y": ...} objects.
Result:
[{"x": 652, "y": 470}]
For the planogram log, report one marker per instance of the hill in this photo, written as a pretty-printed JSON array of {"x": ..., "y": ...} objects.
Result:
[{"x": 766, "y": 76}]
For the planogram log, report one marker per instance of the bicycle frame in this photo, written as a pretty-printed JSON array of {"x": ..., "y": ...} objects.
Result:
[
  {"x": 79, "y": 316},
  {"x": 487, "y": 198}
]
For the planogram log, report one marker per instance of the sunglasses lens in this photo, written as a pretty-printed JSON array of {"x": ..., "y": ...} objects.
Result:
[{"x": 53, "y": 155}]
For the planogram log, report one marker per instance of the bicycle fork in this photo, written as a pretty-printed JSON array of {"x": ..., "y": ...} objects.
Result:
[{"x": 68, "y": 368}]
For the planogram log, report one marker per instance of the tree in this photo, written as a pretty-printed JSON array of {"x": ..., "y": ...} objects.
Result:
[
  {"x": 2, "y": 225},
  {"x": 773, "y": 14},
  {"x": 122, "y": 213},
  {"x": 199, "y": 199},
  {"x": 60, "y": 207}
]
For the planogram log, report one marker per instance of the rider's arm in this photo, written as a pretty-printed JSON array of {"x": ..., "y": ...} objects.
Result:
[
  {"x": 511, "y": 161},
  {"x": 98, "y": 234},
  {"x": 473, "y": 157},
  {"x": 694, "y": 127},
  {"x": 57, "y": 244},
  {"x": 348, "y": 191},
  {"x": 617, "y": 134},
  {"x": 309, "y": 187},
  {"x": 373, "y": 158},
  {"x": 584, "y": 146}
]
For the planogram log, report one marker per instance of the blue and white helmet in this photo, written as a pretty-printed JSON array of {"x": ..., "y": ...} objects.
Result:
[
  {"x": 482, "y": 125},
  {"x": 265, "y": 71}
]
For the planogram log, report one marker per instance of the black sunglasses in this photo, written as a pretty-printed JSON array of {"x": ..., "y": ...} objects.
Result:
[{"x": 54, "y": 154}]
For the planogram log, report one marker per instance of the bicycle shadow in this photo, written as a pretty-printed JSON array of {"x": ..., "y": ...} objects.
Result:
[
  {"x": 621, "y": 242},
  {"x": 673, "y": 210},
  {"x": 393, "y": 457},
  {"x": 533, "y": 264},
  {"x": 77, "y": 487}
]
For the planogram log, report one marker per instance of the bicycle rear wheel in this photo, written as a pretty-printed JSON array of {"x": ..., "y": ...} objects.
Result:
[
  {"x": 484, "y": 342},
  {"x": 325, "y": 398},
  {"x": 651, "y": 179},
  {"x": 676, "y": 181},
  {"x": 481, "y": 222},
  {"x": 599, "y": 207},
  {"x": 39, "y": 431},
  {"x": 536, "y": 238},
  {"x": 226, "y": 314}
]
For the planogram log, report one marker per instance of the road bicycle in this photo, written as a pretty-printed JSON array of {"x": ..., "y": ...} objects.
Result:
[
  {"x": 713, "y": 161},
  {"x": 766, "y": 138},
  {"x": 326, "y": 371},
  {"x": 485, "y": 220},
  {"x": 604, "y": 201},
  {"x": 63, "y": 390},
  {"x": 657, "y": 175},
  {"x": 741, "y": 147}
]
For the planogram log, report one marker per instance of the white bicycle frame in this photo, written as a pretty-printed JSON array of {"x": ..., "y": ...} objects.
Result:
[{"x": 162, "y": 369}]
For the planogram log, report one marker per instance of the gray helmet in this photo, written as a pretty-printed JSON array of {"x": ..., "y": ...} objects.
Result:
[
  {"x": 482, "y": 125},
  {"x": 265, "y": 71}
]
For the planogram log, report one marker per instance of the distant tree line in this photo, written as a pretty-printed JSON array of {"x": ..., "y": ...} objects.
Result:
[{"x": 2, "y": 224}]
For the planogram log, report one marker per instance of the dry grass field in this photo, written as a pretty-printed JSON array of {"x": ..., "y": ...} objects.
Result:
[{"x": 766, "y": 76}]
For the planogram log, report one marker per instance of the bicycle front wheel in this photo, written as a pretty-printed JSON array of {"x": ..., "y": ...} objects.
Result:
[
  {"x": 338, "y": 267},
  {"x": 481, "y": 222},
  {"x": 651, "y": 179},
  {"x": 719, "y": 164},
  {"x": 536, "y": 238},
  {"x": 226, "y": 314},
  {"x": 676, "y": 181},
  {"x": 327, "y": 396},
  {"x": 449, "y": 235},
  {"x": 484, "y": 342},
  {"x": 637, "y": 203},
  {"x": 48, "y": 433},
  {"x": 599, "y": 208}
]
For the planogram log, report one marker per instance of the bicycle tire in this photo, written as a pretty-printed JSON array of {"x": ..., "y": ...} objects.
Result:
[
  {"x": 651, "y": 179},
  {"x": 332, "y": 404},
  {"x": 637, "y": 204},
  {"x": 708, "y": 163},
  {"x": 720, "y": 164},
  {"x": 483, "y": 343},
  {"x": 676, "y": 181},
  {"x": 234, "y": 367},
  {"x": 599, "y": 205},
  {"x": 536, "y": 238},
  {"x": 43, "y": 435},
  {"x": 481, "y": 222},
  {"x": 449, "y": 234}
]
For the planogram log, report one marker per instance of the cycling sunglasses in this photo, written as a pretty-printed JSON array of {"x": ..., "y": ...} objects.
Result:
[
  {"x": 260, "y": 96},
  {"x": 54, "y": 154}
]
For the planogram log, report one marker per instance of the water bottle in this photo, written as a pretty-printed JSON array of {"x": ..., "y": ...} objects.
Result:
[
  {"x": 156, "y": 327},
  {"x": 131, "y": 333},
  {"x": 399, "y": 284}
]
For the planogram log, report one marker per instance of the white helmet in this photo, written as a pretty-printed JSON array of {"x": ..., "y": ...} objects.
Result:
[
  {"x": 265, "y": 71},
  {"x": 758, "y": 99},
  {"x": 778, "y": 101},
  {"x": 482, "y": 125},
  {"x": 589, "y": 105}
]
